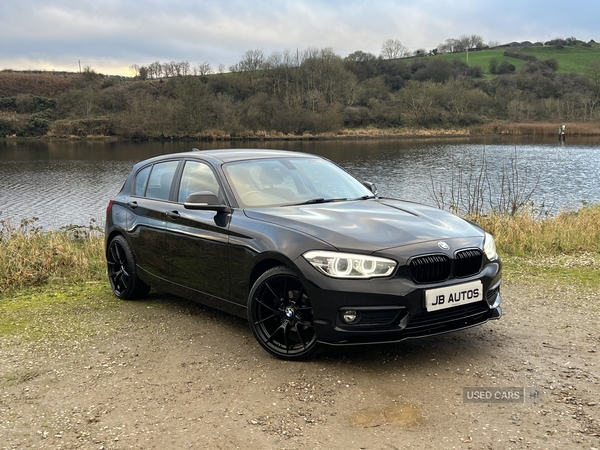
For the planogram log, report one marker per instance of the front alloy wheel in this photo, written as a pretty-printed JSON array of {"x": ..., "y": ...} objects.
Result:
[{"x": 280, "y": 315}]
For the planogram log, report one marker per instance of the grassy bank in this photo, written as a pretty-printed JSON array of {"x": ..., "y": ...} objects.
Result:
[
  {"x": 536, "y": 129},
  {"x": 30, "y": 257},
  {"x": 497, "y": 128},
  {"x": 560, "y": 249}
]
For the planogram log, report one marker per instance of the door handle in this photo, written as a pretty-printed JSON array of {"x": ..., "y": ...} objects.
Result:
[
  {"x": 132, "y": 205},
  {"x": 173, "y": 214}
]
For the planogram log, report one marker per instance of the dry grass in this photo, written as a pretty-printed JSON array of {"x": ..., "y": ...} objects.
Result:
[
  {"x": 526, "y": 235},
  {"x": 32, "y": 257},
  {"x": 542, "y": 129},
  {"x": 44, "y": 84}
]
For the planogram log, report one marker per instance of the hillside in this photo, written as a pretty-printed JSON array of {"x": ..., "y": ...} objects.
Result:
[
  {"x": 317, "y": 94},
  {"x": 570, "y": 59}
]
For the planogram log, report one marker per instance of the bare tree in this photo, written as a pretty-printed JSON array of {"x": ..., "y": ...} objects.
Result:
[
  {"x": 135, "y": 69},
  {"x": 392, "y": 49},
  {"x": 449, "y": 46},
  {"x": 475, "y": 41},
  {"x": 251, "y": 61},
  {"x": 203, "y": 69},
  {"x": 155, "y": 70},
  {"x": 184, "y": 68},
  {"x": 462, "y": 44}
]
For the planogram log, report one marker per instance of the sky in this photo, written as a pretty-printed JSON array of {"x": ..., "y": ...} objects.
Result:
[{"x": 110, "y": 36}]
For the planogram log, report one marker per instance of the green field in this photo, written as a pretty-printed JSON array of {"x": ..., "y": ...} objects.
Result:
[{"x": 570, "y": 59}]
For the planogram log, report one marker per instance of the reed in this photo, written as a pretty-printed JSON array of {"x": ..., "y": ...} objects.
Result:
[
  {"x": 537, "y": 129},
  {"x": 30, "y": 256},
  {"x": 525, "y": 234}
]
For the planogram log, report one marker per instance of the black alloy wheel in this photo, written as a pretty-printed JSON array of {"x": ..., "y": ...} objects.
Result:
[
  {"x": 280, "y": 315},
  {"x": 122, "y": 272}
]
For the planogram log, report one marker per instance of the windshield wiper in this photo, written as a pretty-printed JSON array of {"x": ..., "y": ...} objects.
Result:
[{"x": 322, "y": 200}]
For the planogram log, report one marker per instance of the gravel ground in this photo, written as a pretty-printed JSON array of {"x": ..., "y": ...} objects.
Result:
[{"x": 165, "y": 373}]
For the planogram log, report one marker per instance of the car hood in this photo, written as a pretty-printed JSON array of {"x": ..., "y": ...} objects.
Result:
[{"x": 369, "y": 225}]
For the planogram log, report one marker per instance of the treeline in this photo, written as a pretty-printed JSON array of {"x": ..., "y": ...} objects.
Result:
[{"x": 295, "y": 93}]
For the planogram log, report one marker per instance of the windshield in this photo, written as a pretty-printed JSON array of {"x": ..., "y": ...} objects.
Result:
[{"x": 291, "y": 181}]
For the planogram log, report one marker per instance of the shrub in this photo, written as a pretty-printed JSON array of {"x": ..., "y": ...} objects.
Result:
[
  {"x": 6, "y": 127},
  {"x": 506, "y": 67},
  {"x": 493, "y": 66},
  {"x": 8, "y": 103}
]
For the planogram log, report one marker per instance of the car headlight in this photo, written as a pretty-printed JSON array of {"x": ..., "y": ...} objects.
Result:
[
  {"x": 489, "y": 247},
  {"x": 347, "y": 265}
]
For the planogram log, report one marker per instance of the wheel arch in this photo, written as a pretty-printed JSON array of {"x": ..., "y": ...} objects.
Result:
[
  {"x": 262, "y": 266},
  {"x": 113, "y": 234}
]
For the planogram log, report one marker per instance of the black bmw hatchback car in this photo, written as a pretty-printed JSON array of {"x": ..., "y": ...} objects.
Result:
[{"x": 304, "y": 251}]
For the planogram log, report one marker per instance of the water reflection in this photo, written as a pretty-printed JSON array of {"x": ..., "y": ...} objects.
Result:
[{"x": 64, "y": 182}]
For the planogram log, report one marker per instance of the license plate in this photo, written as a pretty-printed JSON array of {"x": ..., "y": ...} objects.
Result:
[{"x": 451, "y": 296}]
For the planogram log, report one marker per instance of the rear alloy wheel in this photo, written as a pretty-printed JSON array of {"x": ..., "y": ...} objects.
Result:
[
  {"x": 122, "y": 271},
  {"x": 280, "y": 315}
]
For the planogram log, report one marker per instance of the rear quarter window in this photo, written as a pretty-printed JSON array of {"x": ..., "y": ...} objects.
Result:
[{"x": 141, "y": 182}]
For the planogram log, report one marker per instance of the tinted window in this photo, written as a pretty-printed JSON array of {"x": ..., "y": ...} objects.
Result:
[
  {"x": 161, "y": 179},
  {"x": 141, "y": 181},
  {"x": 197, "y": 177}
]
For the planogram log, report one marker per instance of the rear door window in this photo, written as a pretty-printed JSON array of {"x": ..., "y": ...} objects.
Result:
[{"x": 161, "y": 179}]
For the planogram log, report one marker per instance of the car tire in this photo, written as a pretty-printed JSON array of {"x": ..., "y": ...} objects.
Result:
[
  {"x": 280, "y": 315},
  {"x": 122, "y": 271}
]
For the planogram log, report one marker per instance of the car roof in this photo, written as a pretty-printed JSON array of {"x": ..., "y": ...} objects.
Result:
[
  {"x": 223, "y": 156},
  {"x": 238, "y": 154}
]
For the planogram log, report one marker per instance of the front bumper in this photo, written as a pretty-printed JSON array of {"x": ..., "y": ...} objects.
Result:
[{"x": 392, "y": 310}]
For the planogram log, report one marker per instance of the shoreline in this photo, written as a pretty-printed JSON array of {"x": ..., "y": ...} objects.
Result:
[{"x": 494, "y": 129}]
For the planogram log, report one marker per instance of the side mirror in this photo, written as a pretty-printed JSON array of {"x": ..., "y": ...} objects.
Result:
[
  {"x": 205, "y": 200},
  {"x": 372, "y": 187}
]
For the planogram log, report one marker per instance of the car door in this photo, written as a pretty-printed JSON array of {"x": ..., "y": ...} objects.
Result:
[
  {"x": 147, "y": 221},
  {"x": 198, "y": 240}
]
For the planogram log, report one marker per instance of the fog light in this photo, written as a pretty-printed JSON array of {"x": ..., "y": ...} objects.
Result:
[{"x": 350, "y": 316}]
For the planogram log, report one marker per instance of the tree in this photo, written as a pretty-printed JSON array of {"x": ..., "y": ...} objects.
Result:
[
  {"x": 203, "y": 69},
  {"x": 593, "y": 72},
  {"x": 363, "y": 65},
  {"x": 419, "y": 101},
  {"x": 450, "y": 46},
  {"x": 252, "y": 60},
  {"x": 143, "y": 73},
  {"x": 493, "y": 66},
  {"x": 393, "y": 49}
]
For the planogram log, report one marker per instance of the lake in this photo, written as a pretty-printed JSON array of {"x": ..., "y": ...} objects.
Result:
[{"x": 71, "y": 182}]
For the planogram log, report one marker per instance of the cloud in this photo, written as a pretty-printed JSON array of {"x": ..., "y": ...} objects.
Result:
[{"x": 112, "y": 35}]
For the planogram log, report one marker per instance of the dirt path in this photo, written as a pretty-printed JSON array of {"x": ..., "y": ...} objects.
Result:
[{"x": 169, "y": 374}]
